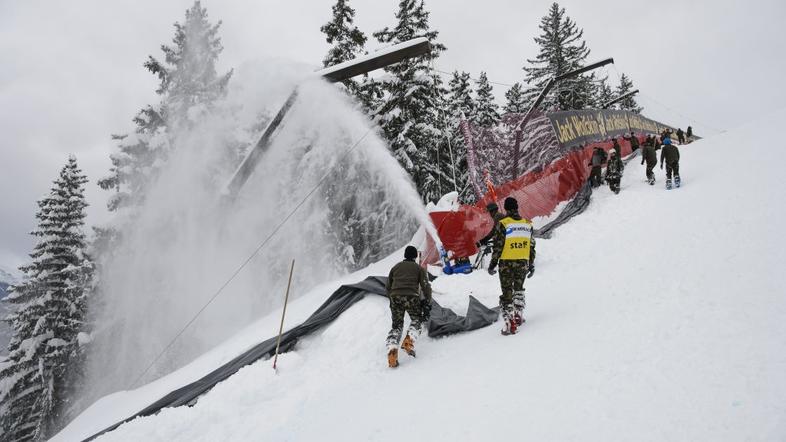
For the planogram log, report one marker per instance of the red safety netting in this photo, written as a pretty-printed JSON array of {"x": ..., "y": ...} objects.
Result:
[{"x": 538, "y": 193}]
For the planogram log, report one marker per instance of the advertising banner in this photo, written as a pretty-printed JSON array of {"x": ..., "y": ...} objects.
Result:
[{"x": 576, "y": 128}]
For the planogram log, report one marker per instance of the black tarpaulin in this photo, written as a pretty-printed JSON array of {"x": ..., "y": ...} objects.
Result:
[{"x": 443, "y": 322}]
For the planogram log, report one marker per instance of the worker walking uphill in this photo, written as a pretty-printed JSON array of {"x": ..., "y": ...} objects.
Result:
[
  {"x": 650, "y": 156},
  {"x": 616, "y": 146},
  {"x": 483, "y": 245},
  {"x": 614, "y": 171},
  {"x": 680, "y": 136},
  {"x": 514, "y": 252},
  {"x": 671, "y": 155},
  {"x": 634, "y": 141},
  {"x": 598, "y": 158},
  {"x": 409, "y": 291}
]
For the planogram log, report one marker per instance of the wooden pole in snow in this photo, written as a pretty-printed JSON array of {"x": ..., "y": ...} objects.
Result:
[{"x": 283, "y": 313}]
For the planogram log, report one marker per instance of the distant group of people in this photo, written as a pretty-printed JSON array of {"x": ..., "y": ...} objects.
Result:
[{"x": 670, "y": 156}]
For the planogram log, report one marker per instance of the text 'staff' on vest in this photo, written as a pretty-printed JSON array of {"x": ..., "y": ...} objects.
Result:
[{"x": 518, "y": 239}]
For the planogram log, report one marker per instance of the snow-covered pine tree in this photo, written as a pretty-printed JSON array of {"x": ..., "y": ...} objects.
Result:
[
  {"x": 49, "y": 319},
  {"x": 486, "y": 110},
  {"x": 346, "y": 39},
  {"x": 409, "y": 115},
  {"x": 629, "y": 104},
  {"x": 603, "y": 93},
  {"x": 459, "y": 102},
  {"x": 516, "y": 102},
  {"x": 562, "y": 49},
  {"x": 445, "y": 168},
  {"x": 189, "y": 86},
  {"x": 188, "y": 78}
]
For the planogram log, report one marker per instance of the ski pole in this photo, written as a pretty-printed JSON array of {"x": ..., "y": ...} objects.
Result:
[{"x": 283, "y": 313}]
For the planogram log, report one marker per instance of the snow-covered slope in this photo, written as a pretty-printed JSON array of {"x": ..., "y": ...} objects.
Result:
[{"x": 655, "y": 315}]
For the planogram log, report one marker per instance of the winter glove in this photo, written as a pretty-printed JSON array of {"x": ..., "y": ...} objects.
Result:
[
  {"x": 531, "y": 271},
  {"x": 492, "y": 269}
]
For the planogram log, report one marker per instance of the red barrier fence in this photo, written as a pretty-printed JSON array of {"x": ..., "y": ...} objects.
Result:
[{"x": 538, "y": 193}]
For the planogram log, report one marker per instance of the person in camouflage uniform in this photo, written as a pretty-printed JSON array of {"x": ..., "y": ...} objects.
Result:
[
  {"x": 649, "y": 155},
  {"x": 634, "y": 142},
  {"x": 614, "y": 171},
  {"x": 616, "y": 146},
  {"x": 409, "y": 291},
  {"x": 671, "y": 155},
  {"x": 514, "y": 252},
  {"x": 596, "y": 163}
]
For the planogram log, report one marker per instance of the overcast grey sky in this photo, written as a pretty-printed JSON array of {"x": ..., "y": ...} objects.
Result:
[{"x": 71, "y": 72}]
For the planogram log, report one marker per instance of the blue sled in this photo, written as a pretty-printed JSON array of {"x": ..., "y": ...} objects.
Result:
[{"x": 461, "y": 268}]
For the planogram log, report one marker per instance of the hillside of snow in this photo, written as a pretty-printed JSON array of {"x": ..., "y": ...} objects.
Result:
[{"x": 655, "y": 315}]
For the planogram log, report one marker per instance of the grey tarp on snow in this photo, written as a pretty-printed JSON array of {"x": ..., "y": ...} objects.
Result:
[{"x": 443, "y": 322}]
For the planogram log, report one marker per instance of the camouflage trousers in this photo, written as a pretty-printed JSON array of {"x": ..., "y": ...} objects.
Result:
[
  {"x": 672, "y": 168},
  {"x": 511, "y": 279},
  {"x": 399, "y": 305},
  {"x": 650, "y": 167},
  {"x": 595, "y": 176}
]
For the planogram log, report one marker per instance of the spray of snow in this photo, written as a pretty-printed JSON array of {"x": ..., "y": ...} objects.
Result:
[{"x": 187, "y": 240}]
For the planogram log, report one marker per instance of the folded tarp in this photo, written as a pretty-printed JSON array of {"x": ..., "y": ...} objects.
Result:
[{"x": 443, "y": 322}]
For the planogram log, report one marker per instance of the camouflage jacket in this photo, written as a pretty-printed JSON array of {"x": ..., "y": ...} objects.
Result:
[
  {"x": 615, "y": 167},
  {"x": 649, "y": 154},
  {"x": 670, "y": 153},
  {"x": 407, "y": 278}
]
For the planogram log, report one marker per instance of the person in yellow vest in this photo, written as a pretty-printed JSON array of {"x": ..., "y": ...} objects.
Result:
[{"x": 514, "y": 252}]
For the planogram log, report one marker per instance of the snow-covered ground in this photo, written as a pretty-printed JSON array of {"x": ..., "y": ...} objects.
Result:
[{"x": 655, "y": 315}]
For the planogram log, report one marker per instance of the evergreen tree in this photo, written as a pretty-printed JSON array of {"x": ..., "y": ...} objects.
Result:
[
  {"x": 188, "y": 78},
  {"x": 516, "y": 102},
  {"x": 347, "y": 40},
  {"x": 446, "y": 169},
  {"x": 486, "y": 111},
  {"x": 603, "y": 93},
  {"x": 561, "y": 50},
  {"x": 49, "y": 319},
  {"x": 188, "y": 85},
  {"x": 409, "y": 116},
  {"x": 459, "y": 102},
  {"x": 629, "y": 104}
]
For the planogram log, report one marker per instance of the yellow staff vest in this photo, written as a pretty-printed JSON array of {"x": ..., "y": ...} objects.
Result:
[{"x": 518, "y": 238}]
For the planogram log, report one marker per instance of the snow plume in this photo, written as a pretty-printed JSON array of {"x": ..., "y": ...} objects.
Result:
[{"x": 187, "y": 241}]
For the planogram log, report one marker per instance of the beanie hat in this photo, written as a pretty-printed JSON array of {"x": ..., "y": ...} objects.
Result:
[
  {"x": 511, "y": 203},
  {"x": 491, "y": 206},
  {"x": 410, "y": 252}
]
